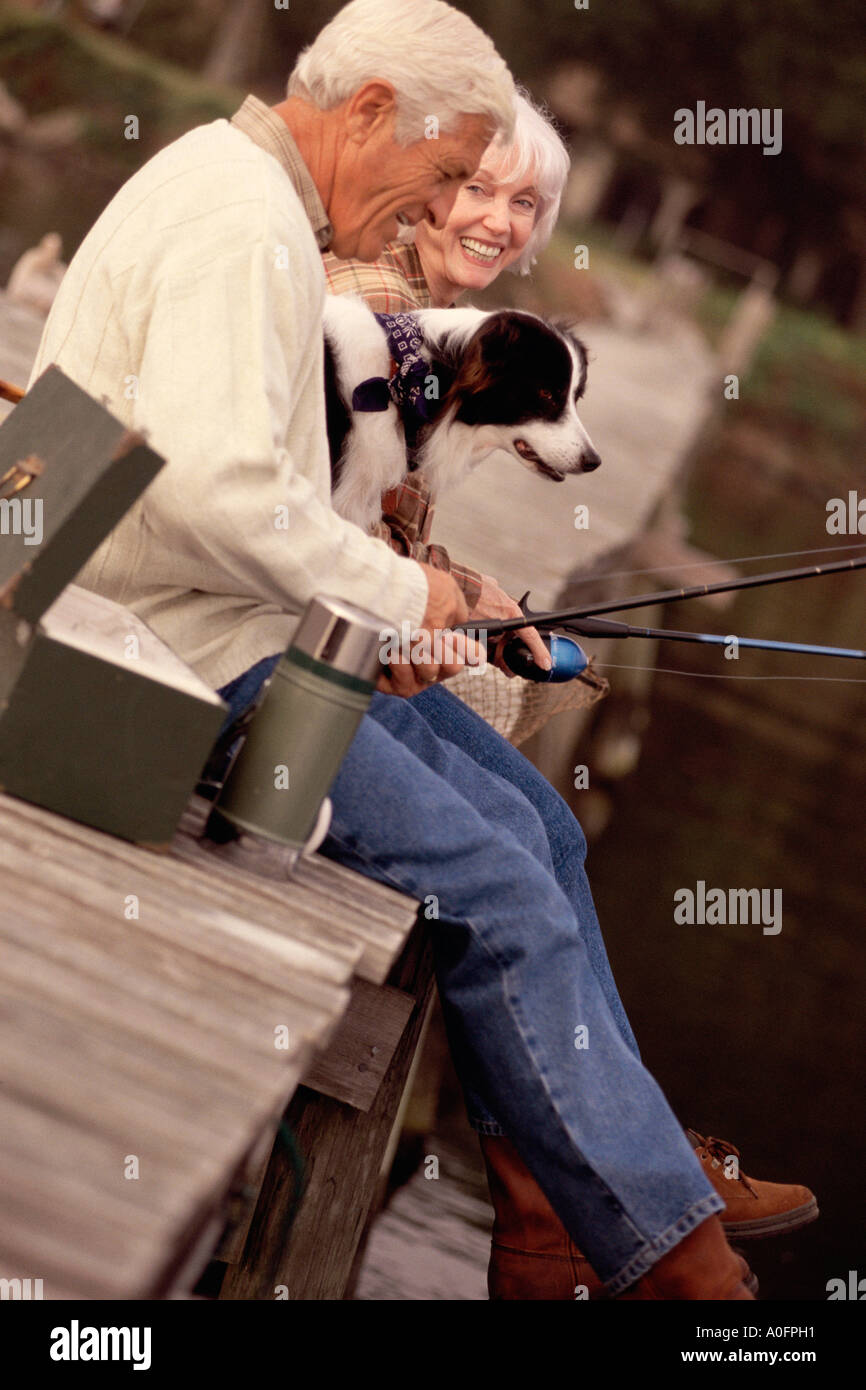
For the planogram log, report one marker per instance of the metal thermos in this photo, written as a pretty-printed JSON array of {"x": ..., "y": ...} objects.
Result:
[{"x": 316, "y": 698}]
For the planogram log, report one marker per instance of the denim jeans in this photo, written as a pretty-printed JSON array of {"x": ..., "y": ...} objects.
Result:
[{"x": 430, "y": 800}]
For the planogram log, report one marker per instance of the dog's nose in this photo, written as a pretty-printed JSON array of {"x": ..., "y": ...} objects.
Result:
[{"x": 590, "y": 461}]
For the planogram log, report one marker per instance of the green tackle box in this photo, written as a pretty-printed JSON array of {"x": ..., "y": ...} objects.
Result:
[{"x": 99, "y": 719}]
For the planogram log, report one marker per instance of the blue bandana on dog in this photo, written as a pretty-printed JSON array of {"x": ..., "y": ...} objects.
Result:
[{"x": 406, "y": 387}]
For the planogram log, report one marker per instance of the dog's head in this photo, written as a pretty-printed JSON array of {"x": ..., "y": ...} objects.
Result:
[{"x": 520, "y": 378}]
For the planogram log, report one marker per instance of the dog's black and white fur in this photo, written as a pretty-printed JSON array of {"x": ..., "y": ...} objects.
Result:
[{"x": 505, "y": 380}]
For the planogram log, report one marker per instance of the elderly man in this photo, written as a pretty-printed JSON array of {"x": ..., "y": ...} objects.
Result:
[{"x": 194, "y": 306}]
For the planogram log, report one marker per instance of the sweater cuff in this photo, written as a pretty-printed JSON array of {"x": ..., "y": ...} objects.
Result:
[{"x": 413, "y": 603}]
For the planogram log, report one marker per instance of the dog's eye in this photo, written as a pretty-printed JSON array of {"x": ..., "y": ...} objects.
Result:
[{"x": 546, "y": 396}]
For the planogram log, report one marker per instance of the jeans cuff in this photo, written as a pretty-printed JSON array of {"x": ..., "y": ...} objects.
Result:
[{"x": 651, "y": 1254}]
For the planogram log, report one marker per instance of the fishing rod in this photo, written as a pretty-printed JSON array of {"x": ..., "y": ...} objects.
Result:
[{"x": 569, "y": 659}]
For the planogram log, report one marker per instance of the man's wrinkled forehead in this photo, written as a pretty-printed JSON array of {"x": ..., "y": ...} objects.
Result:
[{"x": 470, "y": 139}]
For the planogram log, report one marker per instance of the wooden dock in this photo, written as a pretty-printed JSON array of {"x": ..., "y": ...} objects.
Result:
[
  {"x": 157, "y": 1012},
  {"x": 150, "y": 1055}
]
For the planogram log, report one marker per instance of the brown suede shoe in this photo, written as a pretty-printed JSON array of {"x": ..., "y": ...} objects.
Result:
[
  {"x": 702, "y": 1268},
  {"x": 532, "y": 1256},
  {"x": 752, "y": 1208}
]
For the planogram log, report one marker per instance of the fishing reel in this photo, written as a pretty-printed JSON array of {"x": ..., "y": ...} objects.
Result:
[{"x": 568, "y": 659}]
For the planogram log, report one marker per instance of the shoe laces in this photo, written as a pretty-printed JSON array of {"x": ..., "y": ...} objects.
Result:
[{"x": 719, "y": 1150}]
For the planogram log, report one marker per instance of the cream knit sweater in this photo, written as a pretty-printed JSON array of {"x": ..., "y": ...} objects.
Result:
[{"x": 193, "y": 308}]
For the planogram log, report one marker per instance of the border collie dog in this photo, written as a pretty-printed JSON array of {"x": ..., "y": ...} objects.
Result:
[{"x": 466, "y": 384}]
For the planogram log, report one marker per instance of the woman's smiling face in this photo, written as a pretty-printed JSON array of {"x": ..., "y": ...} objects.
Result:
[{"x": 487, "y": 229}]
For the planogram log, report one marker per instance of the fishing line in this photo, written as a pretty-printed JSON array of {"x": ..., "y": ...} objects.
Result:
[
  {"x": 710, "y": 676},
  {"x": 705, "y": 564}
]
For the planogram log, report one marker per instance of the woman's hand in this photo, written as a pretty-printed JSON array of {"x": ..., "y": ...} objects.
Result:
[{"x": 493, "y": 602}]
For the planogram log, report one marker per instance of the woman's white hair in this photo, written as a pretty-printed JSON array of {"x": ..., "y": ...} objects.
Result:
[
  {"x": 437, "y": 60},
  {"x": 537, "y": 155}
]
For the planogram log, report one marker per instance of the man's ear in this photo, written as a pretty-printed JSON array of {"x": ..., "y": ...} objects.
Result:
[{"x": 370, "y": 109}]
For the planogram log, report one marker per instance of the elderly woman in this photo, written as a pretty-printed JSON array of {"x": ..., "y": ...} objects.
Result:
[{"x": 502, "y": 219}]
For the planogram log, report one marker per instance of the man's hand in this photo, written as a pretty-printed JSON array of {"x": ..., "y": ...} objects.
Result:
[
  {"x": 446, "y": 652},
  {"x": 493, "y": 602}
]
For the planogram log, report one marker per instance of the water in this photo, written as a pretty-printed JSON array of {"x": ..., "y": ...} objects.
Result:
[{"x": 756, "y": 1038}]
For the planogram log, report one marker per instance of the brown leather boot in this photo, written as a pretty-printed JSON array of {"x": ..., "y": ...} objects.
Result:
[
  {"x": 532, "y": 1256},
  {"x": 752, "y": 1208},
  {"x": 702, "y": 1268}
]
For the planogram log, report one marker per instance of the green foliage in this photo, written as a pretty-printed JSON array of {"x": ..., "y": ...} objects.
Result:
[
  {"x": 48, "y": 65},
  {"x": 812, "y": 374}
]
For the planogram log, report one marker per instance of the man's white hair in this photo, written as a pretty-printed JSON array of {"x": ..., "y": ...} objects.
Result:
[{"x": 437, "y": 60}]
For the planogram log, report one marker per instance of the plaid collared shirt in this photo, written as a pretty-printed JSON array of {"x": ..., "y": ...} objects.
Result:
[
  {"x": 271, "y": 133},
  {"x": 392, "y": 285},
  {"x": 395, "y": 284}
]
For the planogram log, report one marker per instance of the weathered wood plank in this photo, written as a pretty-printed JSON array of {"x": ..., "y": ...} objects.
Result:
[
  {"x": 345, "y": 926},
  {"x": 308, "y": 910},
  {"x": 132, "y": 1088},
  {"x": 199, "y": 990},
  {"x": 173, "y": 891},
  {"x": 246, "y": 1056},
  {"x": 311, "y": 1012},
  {"x": 369, "y": 915},
  {"x": 343, "y": 1149},
  {"x": 245, "y": 1195},
  {"x": 42, "y": 1141},
  {"x": 359, "y": 1054},
  {"x": 79, "y": 1255}
]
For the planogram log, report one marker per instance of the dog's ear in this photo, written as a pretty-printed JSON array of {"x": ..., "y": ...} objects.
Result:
[
  {"x": 473, "y": 362},
  {"x": 493, "y": 335},
  {"x": 450, "y": 350},
  {"x": 499, "y": 335},
  {"x": 568, "y": 328}
]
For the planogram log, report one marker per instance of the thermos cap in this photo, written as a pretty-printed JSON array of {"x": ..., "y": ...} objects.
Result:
[{"x": 341, "y": 636}]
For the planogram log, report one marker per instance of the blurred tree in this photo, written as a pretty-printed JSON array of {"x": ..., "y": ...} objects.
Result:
[
  {"x": 660, "y": 55},
  {"x": 234, "y": 54},
  {"x": 804, "y": 208}
]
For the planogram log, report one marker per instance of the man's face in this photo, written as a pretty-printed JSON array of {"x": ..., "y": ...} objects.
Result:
[{"x": 382, "y": 183}]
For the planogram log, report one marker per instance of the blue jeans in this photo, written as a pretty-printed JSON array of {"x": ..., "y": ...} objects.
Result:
[{"x": 430, "y": 800}]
